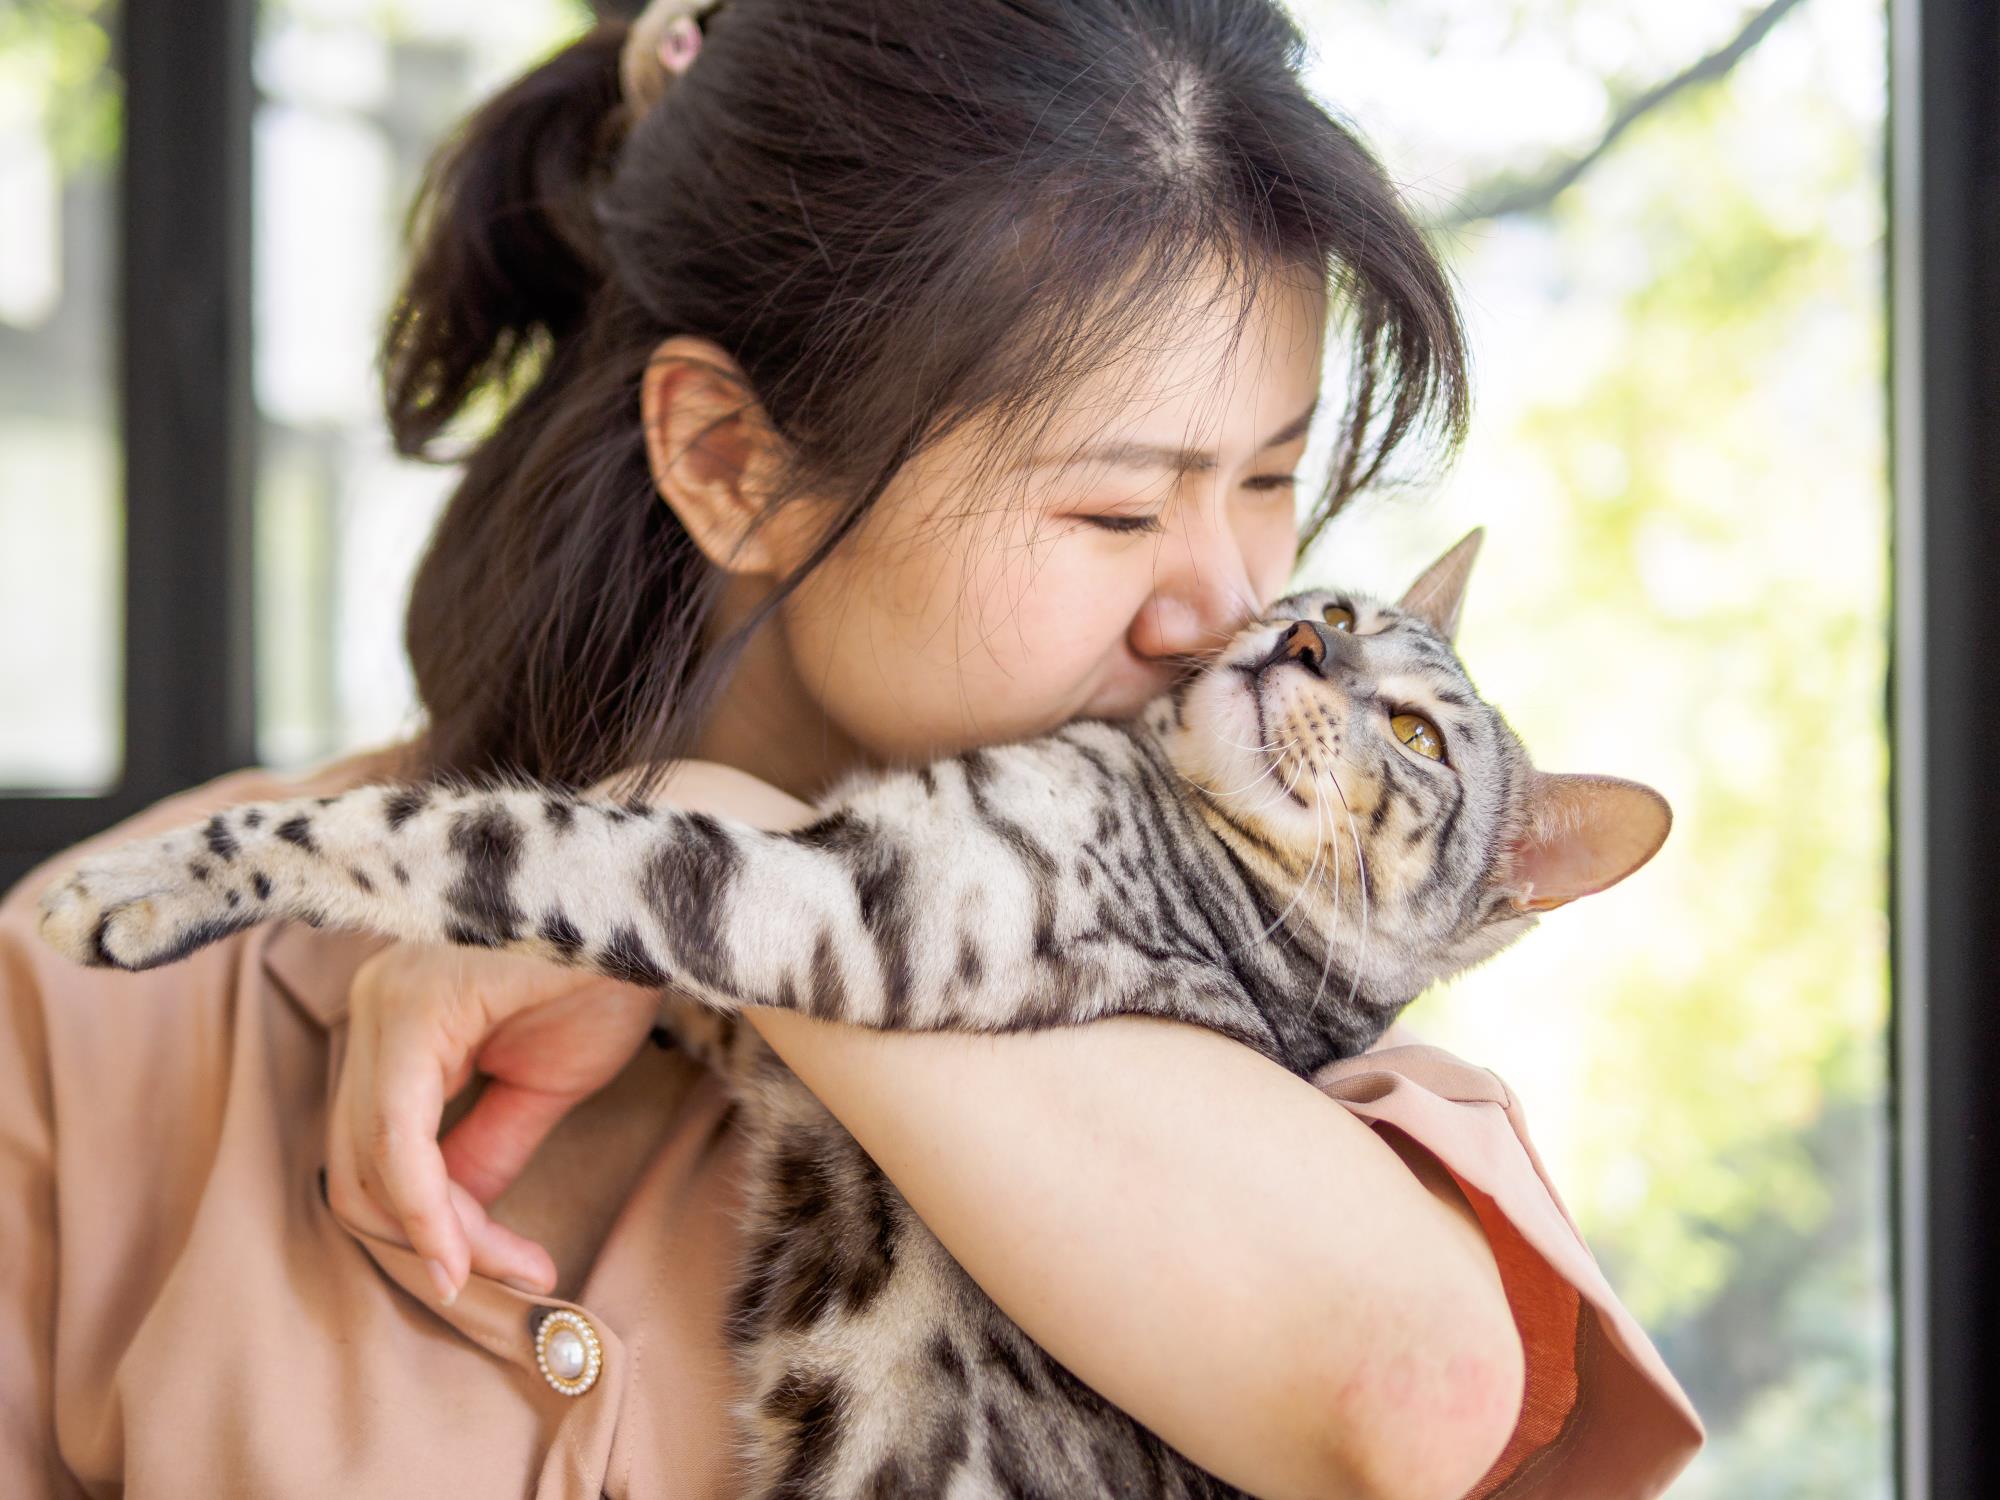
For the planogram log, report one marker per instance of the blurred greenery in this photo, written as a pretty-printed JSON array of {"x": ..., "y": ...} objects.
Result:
[
  {"x": 54, "y": 67},
  {"x": 1679, "y": 452}
]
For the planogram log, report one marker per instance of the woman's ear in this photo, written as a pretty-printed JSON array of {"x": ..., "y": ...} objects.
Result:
[{"x": 712, "y": 454}]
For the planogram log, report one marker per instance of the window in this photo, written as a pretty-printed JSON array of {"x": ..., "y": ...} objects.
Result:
[
  {"x": 62, "y": 523},
  {"x": 352, "y": 101},
  {"x": 1711, "y": 259}
]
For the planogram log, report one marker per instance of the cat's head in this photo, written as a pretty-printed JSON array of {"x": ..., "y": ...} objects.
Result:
[{"x": 1340, "y": 735}]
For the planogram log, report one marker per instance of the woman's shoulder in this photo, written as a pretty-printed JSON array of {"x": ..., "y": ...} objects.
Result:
[
  {"x": 245, "y": 784},
  {"x": 1601, "y": 1413},
  {"x": 61, "y": 1009},
  {"x": 714, "y": 787}
]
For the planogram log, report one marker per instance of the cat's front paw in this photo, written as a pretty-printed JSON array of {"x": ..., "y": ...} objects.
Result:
[{"x": 141, "y": 905}]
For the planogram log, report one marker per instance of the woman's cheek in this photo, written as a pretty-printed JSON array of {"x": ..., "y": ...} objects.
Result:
[
  {"x": 911, "y": 661},
  {"x": 992, "y": 635},
  {"x": 1022, "y": 645}
]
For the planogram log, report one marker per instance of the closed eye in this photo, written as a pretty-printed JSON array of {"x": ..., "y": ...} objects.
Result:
[{"x": 1123, "y": 524}]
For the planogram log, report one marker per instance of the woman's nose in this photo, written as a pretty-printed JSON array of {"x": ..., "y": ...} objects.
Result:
[{"x": 1202, "y": 592}]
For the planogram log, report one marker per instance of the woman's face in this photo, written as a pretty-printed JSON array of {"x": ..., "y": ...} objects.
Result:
[{"x": 969, "y": 610}]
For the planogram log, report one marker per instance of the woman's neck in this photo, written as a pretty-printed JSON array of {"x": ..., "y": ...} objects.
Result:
[{"x": 766, "y": 723}]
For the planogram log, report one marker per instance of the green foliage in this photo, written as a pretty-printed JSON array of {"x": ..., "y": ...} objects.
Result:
[
  {"x": 54, "y": 68},
  {"x": 1679, "y": 450}
]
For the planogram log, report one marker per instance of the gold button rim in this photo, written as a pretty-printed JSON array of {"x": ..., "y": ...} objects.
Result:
[{"x": 593, "y": 1351}]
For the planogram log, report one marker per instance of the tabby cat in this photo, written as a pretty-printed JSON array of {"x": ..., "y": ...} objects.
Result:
[{"x": 1287, "y": 847}]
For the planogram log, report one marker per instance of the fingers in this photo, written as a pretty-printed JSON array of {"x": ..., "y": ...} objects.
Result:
[
  {"x": 365, "y": 1153},
  {"x": 436, "y": 1217},
  {"x": 486, "y": 1150},
  {"x": 404, "y": 1170},
  {"x": 498, "y": 1252},
  {"x": 386, "y": 1173},
  {"x": 418, "y": 1021}
]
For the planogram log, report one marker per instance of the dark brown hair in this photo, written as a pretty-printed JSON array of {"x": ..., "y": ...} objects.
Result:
[{"x": 896, "y": 216}]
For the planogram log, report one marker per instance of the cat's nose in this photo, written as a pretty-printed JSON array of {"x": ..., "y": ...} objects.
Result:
[{"x": 1304, "y": 641}]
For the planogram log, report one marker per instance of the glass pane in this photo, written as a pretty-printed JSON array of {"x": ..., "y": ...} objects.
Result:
[
  {"x": 1678, "y": 454},
  {"x": 62, "y": 513},
  {"x": 353, "y": 97}
]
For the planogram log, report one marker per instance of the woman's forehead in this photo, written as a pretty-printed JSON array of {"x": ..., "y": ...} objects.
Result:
[
  {"x": 1178, "y": 426},
  {"x": 1207, "y": 369},
  {"x": 1214, "y": 386}
]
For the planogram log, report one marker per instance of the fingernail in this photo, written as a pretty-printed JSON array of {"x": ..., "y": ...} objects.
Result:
[{"x": 447, "y": 1293}]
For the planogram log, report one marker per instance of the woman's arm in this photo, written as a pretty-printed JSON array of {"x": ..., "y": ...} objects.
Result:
[
  {"x": 1204, "y": 1238},
  {"x": 1207, "y": 1240}
]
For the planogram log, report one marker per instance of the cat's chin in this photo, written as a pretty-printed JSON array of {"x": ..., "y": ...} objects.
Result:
[{"x": 1213, "y": 733}]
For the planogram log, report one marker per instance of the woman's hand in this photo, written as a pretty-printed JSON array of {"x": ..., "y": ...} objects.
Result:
[{"x": 421, "y": 1021}]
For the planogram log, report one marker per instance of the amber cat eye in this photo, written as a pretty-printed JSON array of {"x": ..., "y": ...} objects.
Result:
[
  {"x": 1340, "y": 617},
  {"x": 1420, "y": 734}
]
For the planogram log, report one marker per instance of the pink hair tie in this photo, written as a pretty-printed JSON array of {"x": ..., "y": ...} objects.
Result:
[
  {"x": 679, "y": 45},
  {"x": 661, "y": 44}
]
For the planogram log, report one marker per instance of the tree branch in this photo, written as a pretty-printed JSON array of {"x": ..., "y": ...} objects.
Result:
[{"x": 1512, "y": 193}]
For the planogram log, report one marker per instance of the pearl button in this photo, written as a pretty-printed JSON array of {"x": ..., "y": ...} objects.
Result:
[{"x": 567, "y": 1352}]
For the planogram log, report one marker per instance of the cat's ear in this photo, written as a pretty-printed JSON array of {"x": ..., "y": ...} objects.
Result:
[
  {"x": 1582, "y": 834},
  {"x": 1437, "y": 597}
]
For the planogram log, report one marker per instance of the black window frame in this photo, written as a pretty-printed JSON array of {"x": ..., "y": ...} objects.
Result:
[
  {"x": 189, "y": 443},
  {"x": 186, "y": 420},
  {"x": 1944, "y": 315}
]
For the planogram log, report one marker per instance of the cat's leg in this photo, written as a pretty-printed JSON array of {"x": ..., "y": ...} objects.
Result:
[
  {"x": 918, "y": 926},
  {"x": 577, "y": 880},
  {"x": 719, "y": 910},
  {"x": 328, "y": 861}
]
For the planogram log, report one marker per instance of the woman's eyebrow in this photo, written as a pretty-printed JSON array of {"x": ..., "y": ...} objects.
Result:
[{"x": 1166, "y": 455}]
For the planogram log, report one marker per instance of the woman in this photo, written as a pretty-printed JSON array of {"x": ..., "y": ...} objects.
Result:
[{"x": 794, "y": 329}]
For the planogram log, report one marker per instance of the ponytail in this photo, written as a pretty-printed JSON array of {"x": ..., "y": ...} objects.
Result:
[{"x": 508, "y": 253}]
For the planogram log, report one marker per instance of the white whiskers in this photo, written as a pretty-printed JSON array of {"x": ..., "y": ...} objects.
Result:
[
  {"x": 1305, "y": 883},
  {"x": 1361, "y": 884},
  {"x": 1268, "y": 766}
]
